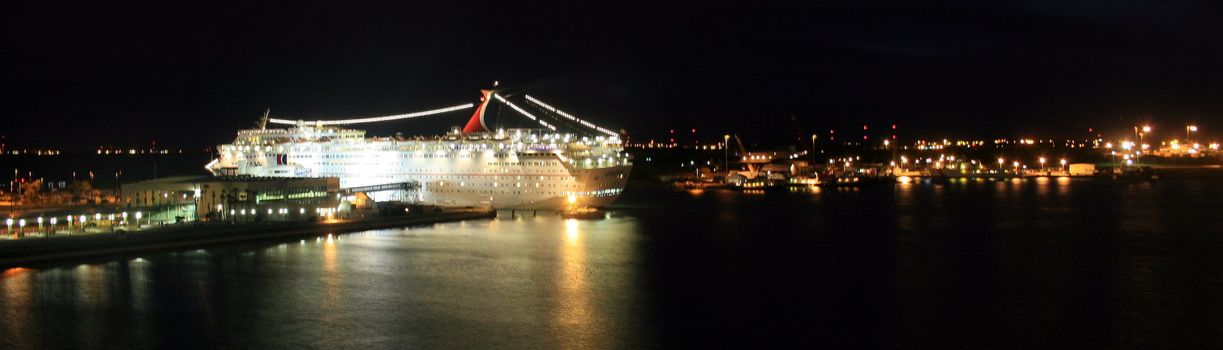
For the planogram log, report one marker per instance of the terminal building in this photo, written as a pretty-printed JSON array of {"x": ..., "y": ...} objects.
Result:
[{"x": 232, "y": 198}]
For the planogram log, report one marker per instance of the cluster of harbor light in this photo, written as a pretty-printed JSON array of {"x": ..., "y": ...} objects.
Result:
[
  {"x": 757, "y": 157},
  {"x": 36, "y": 151},
  {"x": 1131, "y": 151},
  {"x": 81, "y": 221},
  {"x": 133, "y": 151},
  {"x": 952, "y": 162},
  {"x": 281, "y": 211},
  {"x": 52, "y": 222},
  {"x": 845, "y": 160}
]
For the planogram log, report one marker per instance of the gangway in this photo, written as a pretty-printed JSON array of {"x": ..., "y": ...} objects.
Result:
[{"x": 397, "y": 186}]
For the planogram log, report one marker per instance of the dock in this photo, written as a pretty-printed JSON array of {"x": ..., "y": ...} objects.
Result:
[{"x": 60, "y": 248}]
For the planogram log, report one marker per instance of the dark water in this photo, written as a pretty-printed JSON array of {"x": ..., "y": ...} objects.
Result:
[{"x": 1029, "y": 264}]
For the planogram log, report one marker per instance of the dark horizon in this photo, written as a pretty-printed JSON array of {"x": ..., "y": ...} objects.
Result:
[{"x": 191, "y": 75}]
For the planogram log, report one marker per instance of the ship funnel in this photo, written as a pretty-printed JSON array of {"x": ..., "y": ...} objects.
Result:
[{"x": 476, "y": 124}]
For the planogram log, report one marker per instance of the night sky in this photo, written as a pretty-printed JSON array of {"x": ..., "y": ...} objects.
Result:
[{"x": 191, "y": 74}]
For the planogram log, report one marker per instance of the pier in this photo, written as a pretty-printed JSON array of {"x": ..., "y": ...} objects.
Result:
[{"x": 58, "y": 248}]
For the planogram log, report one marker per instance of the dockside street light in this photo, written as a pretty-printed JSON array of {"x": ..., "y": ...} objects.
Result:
[
  {"x": 726, "y": 153},
  {"x": 813, "y": 138},
  {"x": 1145, "y": 130}
]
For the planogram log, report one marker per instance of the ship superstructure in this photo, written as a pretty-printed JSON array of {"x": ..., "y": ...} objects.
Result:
[{"x": 506, "y": 168}]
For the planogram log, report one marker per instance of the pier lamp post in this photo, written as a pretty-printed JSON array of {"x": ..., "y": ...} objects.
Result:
[
  {"x": 9, "y": 223},
  {"x": 21, "y": 226},
  {"x": 52, "y": 230},
  {"x": 726, "y": 153},
  {"x": 1146, "y": 129},
  {"x": 813, "y": 138},
  {"x": 1042, "y": 163},
  {"x": 1000, "y": 162},
  {"x": 138, "y": 216},
  {"x": 1189, "y": 129},
  {"x": 40, "y": 225}
]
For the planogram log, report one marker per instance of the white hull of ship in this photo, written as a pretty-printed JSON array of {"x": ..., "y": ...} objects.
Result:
[{"x": 476, "y": 179}]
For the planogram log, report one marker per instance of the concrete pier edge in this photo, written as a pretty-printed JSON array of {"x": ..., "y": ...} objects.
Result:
[{"x": 43, "y": 250}]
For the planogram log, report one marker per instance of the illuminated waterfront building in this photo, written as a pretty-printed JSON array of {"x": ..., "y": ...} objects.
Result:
[{"x": 231, "y": 198}]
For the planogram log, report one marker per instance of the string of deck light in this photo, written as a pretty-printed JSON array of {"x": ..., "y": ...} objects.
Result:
[
  {"x": 375, "y": 119},
  {"x": 548, "y": 107},
  {"x": 524, "y": 112}
]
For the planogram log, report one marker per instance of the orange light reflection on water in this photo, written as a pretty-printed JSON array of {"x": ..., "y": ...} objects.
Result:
[
  {"x": 15, "y": 286},
  {"x": 571, "y": 231},
  {"x": 333, "y": 287},
  {"x": 13, "y": 272},
  {"x": 575, "y": 313}
]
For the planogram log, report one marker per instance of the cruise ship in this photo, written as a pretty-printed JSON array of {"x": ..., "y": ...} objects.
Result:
[{"x": 518, "y": 168}]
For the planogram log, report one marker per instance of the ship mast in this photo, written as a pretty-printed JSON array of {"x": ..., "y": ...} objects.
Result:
[{"x": 263, "y": 121}]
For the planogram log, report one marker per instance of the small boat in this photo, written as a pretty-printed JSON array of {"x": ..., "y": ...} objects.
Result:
[{"x": 584, "y": 213}]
